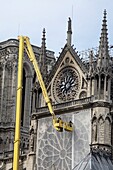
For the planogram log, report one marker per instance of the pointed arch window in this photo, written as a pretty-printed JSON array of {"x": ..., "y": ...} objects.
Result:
[
  {"x": 107, "y": 79},
  {"x": 94, "y": 130},
  {"x": 101, "y": 130},
  {"x": 102, "y": 82},
  {"x": 26, "y": 94},
  {"x": 39, "y": 95},
  {"x": 97, "y": 82},
  {"x": 1, "y": 144},
  {"x": 107, "y": 131}
]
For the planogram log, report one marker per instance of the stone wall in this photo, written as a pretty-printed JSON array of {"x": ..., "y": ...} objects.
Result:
[{"x": 63, "y": 150}]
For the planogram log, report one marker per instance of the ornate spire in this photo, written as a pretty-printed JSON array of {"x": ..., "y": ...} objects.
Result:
[
  {"x": 90, "y": 61},
  {"x": 69, "y": 32},
  {"x": 43, "y": 46},
  {"x": 103, "y": 55},
  {"x": 43, "y": 66}
]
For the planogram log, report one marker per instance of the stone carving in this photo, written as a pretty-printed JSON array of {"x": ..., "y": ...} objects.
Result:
[
  {"x": 94, "y": 131},
  {"x": 83, "y": 94},
  {"x": 32, "y": 139},
  {"x": 101, "y": 149}
]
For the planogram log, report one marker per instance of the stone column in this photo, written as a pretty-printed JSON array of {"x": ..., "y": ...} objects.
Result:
[
  {"x": 109, "y": 88},
  {"x": 105, "y": 92},
  {"x": 8, "y": 89},
  {"x": 13, "y": 89},
  {"x": 93, "y": 86},
  {"x": 2, "y": 88},
  {"x": 99, "y": 87},
  {"x": 89, "y": 87},
  {"x": 4, "y": 93}
]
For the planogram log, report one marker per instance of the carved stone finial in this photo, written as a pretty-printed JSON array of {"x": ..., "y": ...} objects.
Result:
[
  {"x": 69, "y": 32},
  {"x": 103, "y": 54},
  {"x": 42, "y": 62},
  {"x": 69, "y": 25},
  {"x": 43, "y": 46}
]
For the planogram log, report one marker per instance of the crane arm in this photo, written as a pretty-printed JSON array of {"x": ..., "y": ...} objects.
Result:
[
  {"x": 18, "y": 106},
  {"x": 32, "y": 58}
]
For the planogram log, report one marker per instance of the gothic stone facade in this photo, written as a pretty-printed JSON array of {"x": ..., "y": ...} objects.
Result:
[
  {"x": 8, "y": 85},
  {"x": 80, "y": 92}
]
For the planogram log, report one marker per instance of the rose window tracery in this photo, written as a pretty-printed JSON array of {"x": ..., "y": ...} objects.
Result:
[{"x": 66, "y": 84}]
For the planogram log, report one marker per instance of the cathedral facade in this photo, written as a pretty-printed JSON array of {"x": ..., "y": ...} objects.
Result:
[{"x": 80, "y": 92}]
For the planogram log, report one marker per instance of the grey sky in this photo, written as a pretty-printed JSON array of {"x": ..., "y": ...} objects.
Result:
[{"x": 29, "y": 17}]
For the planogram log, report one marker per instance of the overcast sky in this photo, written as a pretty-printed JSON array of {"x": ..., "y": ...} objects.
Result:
[{"x": 29, "y": 17}]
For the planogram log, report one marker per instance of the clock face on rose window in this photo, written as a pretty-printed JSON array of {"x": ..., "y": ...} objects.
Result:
[{"x": 66, "y": 84}]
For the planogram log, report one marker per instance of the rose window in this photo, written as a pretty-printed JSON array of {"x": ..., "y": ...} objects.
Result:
[{"x": 66, "y": 84}]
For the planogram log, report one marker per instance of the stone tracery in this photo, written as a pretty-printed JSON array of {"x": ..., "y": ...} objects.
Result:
[{"x": 66, "y": 84}]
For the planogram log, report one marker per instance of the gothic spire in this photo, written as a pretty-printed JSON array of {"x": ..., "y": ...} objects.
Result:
[
  {"x": 43, "y": 66},
  {"x": 43, "y": 46},
  {"x": 69, "y": 32},
  {"x": 103, "y": 54}
]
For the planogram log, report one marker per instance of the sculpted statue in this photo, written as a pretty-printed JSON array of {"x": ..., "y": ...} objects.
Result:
[
  {"x": 94, "y": 131},
  {"x": 32, "y": 139}
]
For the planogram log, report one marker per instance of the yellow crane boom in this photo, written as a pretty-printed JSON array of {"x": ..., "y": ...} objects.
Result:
[
  {"x": 18, "y": 106},
  {"x": 38, "y": 73},
  {"x": 58, "y": 124}
]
